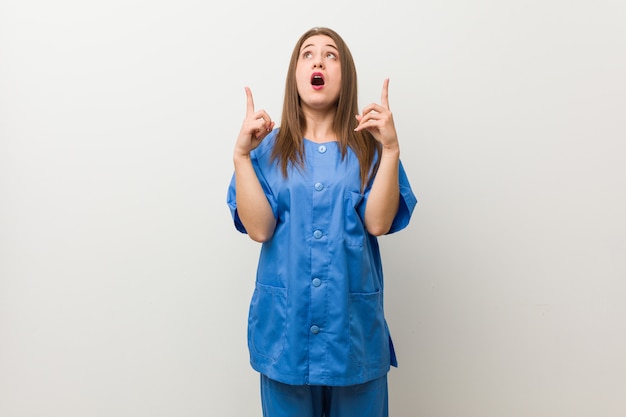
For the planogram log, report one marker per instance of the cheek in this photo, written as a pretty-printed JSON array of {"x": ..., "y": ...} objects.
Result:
[
  {"x": 301, "y": 82},
  {"x": 336, "y": 73},
  {"x": 337, "y": 80},
  {"x": 299, "y": 75}
]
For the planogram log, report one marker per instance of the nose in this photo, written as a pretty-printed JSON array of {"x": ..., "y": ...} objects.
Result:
[{"x": 317, "y": 62}]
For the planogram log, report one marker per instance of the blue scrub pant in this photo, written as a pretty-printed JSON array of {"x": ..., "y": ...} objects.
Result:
[{"x": 364, "y": 400}]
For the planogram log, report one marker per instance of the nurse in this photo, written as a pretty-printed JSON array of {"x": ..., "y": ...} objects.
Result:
[{"x": 316, "y": 191}]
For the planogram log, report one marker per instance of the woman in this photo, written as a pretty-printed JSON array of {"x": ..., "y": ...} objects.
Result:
[{"x": 317, "y": 191}]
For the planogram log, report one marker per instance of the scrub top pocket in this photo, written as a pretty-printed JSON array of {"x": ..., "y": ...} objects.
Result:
[
  {"x": 266, "y": 322},
  {"x": 369, "y": 339},
  {"x": 354, "y": 229}
]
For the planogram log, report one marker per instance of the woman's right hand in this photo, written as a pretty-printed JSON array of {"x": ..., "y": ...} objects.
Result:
[{"x": 256, "y": 125}]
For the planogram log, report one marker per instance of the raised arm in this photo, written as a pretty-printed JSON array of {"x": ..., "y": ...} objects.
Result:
[
  {"x": 384, "y": 198},
  {"x": 252, "y": 206}
]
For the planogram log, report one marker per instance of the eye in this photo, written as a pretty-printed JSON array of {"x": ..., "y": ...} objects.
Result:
[
  {"x": 307, "y": 54},
  {"x": 331, "y": 55}
]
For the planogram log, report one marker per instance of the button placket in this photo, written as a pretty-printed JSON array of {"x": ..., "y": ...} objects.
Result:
[{"x": 321, "y": 196}]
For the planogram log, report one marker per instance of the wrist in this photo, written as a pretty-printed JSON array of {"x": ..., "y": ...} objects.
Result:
[
  {"x": 239, "y": 157},
  {"x": 391, "y": 151}
]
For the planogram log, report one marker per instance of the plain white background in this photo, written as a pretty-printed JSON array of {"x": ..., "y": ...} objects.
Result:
[{"x": 124, "y": 286}]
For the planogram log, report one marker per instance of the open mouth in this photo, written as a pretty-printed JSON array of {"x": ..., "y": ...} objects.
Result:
[{"x": 317, "y": 80}]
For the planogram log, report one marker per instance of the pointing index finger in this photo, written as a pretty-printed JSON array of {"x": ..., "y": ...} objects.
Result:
[
  {"x": 384, "y": 97},
  {"x": 249, "y": 101}
]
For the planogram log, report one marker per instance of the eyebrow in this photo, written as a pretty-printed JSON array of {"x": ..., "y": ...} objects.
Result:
[{"x": 331, "y": 45}]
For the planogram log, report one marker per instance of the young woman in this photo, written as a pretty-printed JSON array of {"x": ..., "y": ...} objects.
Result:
[{"x": 317, "y": 191}]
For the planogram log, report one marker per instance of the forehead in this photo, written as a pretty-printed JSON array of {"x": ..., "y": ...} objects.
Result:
[{"x": 318, "y": 41}]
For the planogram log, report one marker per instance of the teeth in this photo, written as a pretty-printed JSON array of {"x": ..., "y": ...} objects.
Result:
[{"x": 317, "y": 80}]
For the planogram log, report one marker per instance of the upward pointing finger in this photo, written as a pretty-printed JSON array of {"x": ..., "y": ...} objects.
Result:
[
  {"x": 384, "y": 97},
  {"x": 249, "y": 102}
]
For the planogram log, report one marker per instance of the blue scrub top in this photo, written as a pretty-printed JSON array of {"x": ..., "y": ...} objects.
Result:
[{"x": 316, "y": 315}]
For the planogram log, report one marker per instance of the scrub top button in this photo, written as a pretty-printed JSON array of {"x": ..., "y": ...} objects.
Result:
[
  {"x": 317, "y": 234},
  {"x": 315, "y": 329},
  {"x": 322, "y": 149},
  {"x": 319, "y": 186},
  {"x": 316, "y": 282}
]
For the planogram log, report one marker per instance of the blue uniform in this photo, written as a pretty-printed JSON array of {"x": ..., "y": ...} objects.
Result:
[{"x": 316, "y": 315}]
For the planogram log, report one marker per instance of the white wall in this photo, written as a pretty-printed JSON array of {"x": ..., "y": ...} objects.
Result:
[{"x": 124, "y": 287}]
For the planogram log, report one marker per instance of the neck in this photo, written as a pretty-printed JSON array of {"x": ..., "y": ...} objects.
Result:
[{"x": 319, "y": 126}]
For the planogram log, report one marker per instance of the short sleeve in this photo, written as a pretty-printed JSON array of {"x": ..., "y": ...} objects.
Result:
[
  {"x": 231, "y": 198},
  {"x": 408, "y": 201}
]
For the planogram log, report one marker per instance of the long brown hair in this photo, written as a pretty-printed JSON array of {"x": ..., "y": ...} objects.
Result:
[{"x": 289, "y": 146}]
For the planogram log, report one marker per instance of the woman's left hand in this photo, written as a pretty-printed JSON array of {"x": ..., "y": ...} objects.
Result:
[{"x": 378, "y": 120}]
